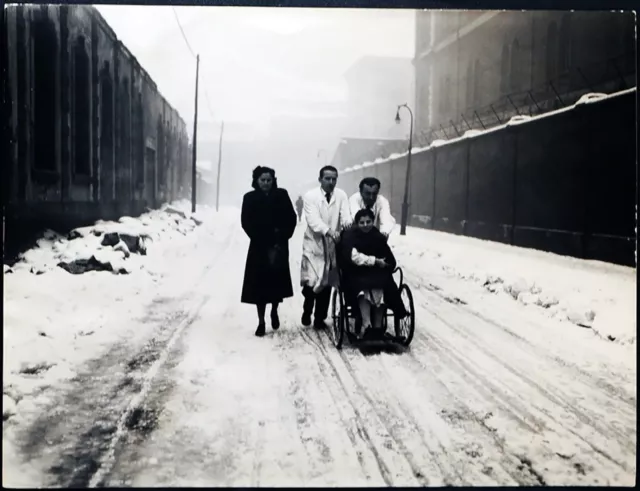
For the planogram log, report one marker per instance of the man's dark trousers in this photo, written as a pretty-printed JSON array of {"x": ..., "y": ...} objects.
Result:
[{"x": 321, "y": 301}]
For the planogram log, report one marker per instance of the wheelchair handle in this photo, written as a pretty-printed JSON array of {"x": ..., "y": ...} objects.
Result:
[{"x": 398, "y": 268}]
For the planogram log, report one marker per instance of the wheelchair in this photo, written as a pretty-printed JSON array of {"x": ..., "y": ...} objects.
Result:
[{"x": 346, "y": 317}]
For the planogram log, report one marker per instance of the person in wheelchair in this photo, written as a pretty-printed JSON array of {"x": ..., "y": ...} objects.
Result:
[{"x": 367, "y": 265}]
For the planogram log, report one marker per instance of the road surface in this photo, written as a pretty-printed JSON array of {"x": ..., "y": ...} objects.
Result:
[{"x": 476, "y": 400}]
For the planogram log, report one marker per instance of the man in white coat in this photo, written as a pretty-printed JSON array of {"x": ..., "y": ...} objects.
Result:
[
  {"x": 326, "y": 211},
  {"x": 369, "y": 197}
]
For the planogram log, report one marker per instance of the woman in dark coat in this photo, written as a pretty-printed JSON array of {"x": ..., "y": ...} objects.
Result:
[
  {"x": 268, "y": 218},
  {"x": 367, "y": 264}
]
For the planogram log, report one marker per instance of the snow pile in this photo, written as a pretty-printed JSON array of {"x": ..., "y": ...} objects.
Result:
[
  {"x": 108, "y": 246},
  {"x": 519, "y": 119},
  {"x": 55, "y": 321},
  {"x": 438, "y": 143},
  {"x": 591, "y": 98},
  {"x": 589, "y": 294}
]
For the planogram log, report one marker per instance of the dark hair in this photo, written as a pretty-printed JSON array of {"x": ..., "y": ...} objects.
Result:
[
  {"x": 258, "y": 171},
  {"x": 369, "y": 181},
  {"x": 329, "y": 168},
  {"x": 365, "y": 212}
]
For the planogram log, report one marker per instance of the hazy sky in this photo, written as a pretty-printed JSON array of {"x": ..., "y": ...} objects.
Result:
[{"x": 252, "y": 57}]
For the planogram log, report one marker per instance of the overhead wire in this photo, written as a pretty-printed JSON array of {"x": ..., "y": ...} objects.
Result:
[{"x": 184, "y": 36}]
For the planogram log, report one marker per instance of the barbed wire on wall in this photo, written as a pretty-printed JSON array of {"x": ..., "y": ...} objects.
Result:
[{"x": 607, "y": 76}]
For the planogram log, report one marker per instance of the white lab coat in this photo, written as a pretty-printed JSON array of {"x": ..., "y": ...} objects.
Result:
[
  {"x": 318, "y": 268},
  {"x": 383, "y": 220}
]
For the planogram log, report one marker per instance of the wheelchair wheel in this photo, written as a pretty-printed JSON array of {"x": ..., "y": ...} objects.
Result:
[
  {"x": 338, "y": 313},
  {"x": 406, "y": 327}
]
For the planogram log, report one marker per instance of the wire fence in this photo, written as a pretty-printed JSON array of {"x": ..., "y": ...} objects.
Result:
[{"x": 611, "y": 75}]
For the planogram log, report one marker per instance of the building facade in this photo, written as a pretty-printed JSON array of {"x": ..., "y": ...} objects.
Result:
[
  {"x": 89, "y": 134},
  {"x": 476, "y": 69}
]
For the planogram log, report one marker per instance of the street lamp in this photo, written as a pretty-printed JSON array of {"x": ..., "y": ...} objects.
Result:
[{"x": 405, "y": 202}]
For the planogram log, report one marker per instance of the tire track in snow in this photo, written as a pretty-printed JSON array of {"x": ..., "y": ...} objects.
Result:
[
  {"x": 419, "y": 475},
  {"x": 361, "y": 427},
  {"x": 491, "y": 391},
  {"x": 473, "y": 387},
  {"x": 80, "y": 434},
  {"x": 486, "y": 380},
  {"x": 108, "y": 460},
  {"x": 547, "y": 394},
  {"x": 523, "y": 321},
  {"x": 357, "y": 438},
  {"x": 585, "y": 379}
]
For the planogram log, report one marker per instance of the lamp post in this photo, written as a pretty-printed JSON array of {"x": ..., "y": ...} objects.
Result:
[
  {"x": 219, "y": 167},
  {"x": 405, "y": 202}
]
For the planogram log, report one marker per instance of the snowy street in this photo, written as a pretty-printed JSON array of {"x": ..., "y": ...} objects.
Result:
[{"x": 495, "y": 389}]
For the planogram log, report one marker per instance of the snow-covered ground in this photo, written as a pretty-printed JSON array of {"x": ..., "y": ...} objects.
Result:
[
  {"x": 493, "y": 390},
  {"x": 55, "y": 321},
  {"x": 589, "y": 294}
]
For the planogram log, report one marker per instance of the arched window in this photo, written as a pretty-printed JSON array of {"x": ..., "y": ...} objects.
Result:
[
  {"x": 552, "y": 51},
  {"x": 516, "y": 70},
  {"x": 504, "y": 69},
  {"x": 45, "y": 72},
  {"x": 565, "y": 46},
  {"x": 81, "y": 104}
]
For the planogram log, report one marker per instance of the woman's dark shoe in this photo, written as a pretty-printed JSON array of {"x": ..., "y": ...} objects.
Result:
[
  {"x": 261, "y": 330},
  {"x": 275, "y": 321}
]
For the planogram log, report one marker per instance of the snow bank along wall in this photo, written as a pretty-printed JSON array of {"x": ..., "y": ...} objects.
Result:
[
  {"x": 89, "y": 135},
  {"x": 564, "y": 182}
]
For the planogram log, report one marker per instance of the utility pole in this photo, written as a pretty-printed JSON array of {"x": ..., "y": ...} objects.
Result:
[
  {"x": 219, "y": 166},
  {"x": 195, "y": 135},
  {"x": 405, "y": 202}
]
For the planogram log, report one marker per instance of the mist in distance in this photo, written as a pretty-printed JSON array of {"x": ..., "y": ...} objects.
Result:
[{"x": 275, "y": 76}]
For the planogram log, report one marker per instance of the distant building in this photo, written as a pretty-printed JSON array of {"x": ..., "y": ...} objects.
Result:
[
  {"x": 354, "y": 151},
  {"x": 302, "y": 134},
  {"x": 474, "y": 65},
  {"x": 376, "y": 86}
]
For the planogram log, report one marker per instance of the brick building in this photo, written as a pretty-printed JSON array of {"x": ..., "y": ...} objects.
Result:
[{"x": 478, "y": 68}]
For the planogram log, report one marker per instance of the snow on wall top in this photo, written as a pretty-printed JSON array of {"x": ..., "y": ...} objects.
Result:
[{"x": 591, "y": 98}]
